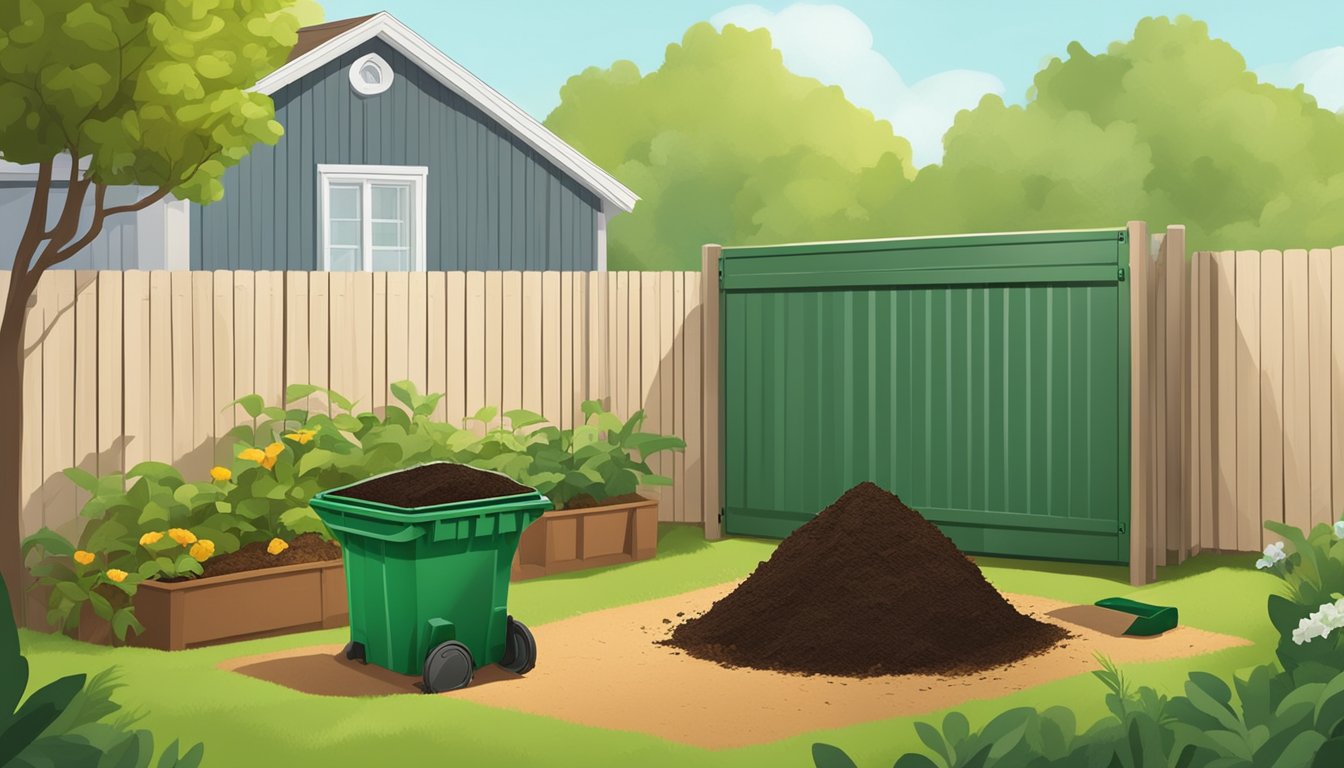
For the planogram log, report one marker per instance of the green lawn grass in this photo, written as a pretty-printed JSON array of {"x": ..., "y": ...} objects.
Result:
[{"x": 248, "y": 722}]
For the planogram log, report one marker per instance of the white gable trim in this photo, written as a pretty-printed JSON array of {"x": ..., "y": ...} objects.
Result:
[{"x": 469, "y": 87}]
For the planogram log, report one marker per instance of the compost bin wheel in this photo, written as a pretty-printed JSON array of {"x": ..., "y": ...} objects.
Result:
[
  {"x": 448, "y": 667},
  {"x": 520, "y": 648},
  {"x": 355, "y": 652}
]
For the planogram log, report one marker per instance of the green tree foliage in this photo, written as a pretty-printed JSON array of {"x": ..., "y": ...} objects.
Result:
[
  {"x": 724, "y": 144},
  {"x": 153, "y": 93}
]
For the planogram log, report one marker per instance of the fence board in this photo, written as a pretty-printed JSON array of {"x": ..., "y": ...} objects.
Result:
[
  {"x": 1271, "y": 388},
  {"x": 1318, "y": 353},
  {"x": 1225, "y": 364},
  {"x": 202, "y": 375},
  {"x": 86, "y": 378},
  {"x": 1206, "y": 392},
  {"x": 436, "y": 344},
  {"x": 1296, "y": 392},
  {"x": 417, "y": 330},
  {"x": 135, "y": 325},
  {"x": 161, "y": 411},
  {"x": 108, "y": 343},
  {"x": 1337, "y": 377},
  {"x": 1248, "y": 397},
  {"x": 297, "y": 336},
  {"x": 133, "y": 366},
  {"x": 379, "y": 343},
  {"x": 319, "y": 341}
]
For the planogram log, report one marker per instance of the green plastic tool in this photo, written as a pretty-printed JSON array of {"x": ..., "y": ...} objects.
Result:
[{"x": 1150, "y": 619}]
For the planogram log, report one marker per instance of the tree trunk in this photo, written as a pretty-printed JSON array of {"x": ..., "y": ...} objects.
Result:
[{"x": 11, "y": 448}]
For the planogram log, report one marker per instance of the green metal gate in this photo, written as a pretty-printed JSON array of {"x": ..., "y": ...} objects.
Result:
[{"x": 983, "y": 379}]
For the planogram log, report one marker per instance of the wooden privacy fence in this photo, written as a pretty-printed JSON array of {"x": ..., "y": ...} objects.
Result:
[
  {"x": 1268, "y": 393},
  {"x": 1238, "y": 382},
  {"x": 124, "y": 367}
]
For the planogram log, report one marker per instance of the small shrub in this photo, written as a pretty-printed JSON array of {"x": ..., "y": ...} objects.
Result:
[
  {"x": 151, "y": 523},
  {"x": 66, "y": 722},
  {"x": 1311, "y": 567}
]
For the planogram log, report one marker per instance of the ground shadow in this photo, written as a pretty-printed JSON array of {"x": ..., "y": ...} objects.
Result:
[{"x": 324, "y": 671}]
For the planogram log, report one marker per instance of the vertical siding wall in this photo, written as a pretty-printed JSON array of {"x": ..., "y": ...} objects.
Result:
[
  {"x": 493, "y": 202},
  {"x": 124, "y": 367},
  {"x": 1267, "y": 395}
]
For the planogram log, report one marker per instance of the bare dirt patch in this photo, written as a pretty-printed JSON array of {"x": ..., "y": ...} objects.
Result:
[{"x": 607, "y": 670}]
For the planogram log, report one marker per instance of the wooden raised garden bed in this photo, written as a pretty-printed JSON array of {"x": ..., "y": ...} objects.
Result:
[
  {"x": 588, "y": 537},
  {"x": 241, "y": 606}
]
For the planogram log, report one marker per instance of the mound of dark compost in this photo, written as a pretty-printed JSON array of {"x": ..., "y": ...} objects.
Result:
[
  {"x": 432, "y": 484},
  {"x": 867, "y": 587}
]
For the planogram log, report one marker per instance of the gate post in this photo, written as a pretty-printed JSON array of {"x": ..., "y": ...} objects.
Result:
[
  {"x": 1142, "y": 567},
  {"x": 711, "y": 392}
]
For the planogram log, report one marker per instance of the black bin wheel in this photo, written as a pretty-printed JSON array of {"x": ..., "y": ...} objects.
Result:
[
  {"x": 520, "y": 648},
  {"x": 355, "y": 652},
  {"x": 448, "y": 667}
]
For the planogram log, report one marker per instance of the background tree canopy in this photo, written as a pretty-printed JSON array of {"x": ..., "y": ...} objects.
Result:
[{"x": 726, "y": 145}]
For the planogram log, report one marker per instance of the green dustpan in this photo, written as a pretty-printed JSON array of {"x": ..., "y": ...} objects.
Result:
[{"x": 1149, "y": 619}]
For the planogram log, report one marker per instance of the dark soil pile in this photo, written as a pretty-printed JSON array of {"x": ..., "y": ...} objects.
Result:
[
  {"x": 868, "y": 587},
  {"x": 305, "y": 548},
  {"x": 431, "y": 484}
]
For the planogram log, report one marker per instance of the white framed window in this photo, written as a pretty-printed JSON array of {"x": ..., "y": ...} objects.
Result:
[
  {"x": 370, "y": 75},
  {"x": 372, "y": 217}
]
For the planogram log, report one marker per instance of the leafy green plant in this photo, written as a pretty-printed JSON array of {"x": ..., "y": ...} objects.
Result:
[
  {"x": 1313, "y": 577},
  {"x": 602, "y": 458},
  {"x": 65, "y": 722},
  {"x": 151, "y": 523}
]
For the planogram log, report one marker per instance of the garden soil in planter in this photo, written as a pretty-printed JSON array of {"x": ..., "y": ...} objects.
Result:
[
  {"x": 304, "y": 548},
  {"x": 433, "y": 484},
  {"x": 867, "y": 587}
]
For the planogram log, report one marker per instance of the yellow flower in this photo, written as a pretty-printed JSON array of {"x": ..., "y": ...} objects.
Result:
[
  {"x": 277, "y": 546},
  {"x": 302, "y": 436},
  {"x": 274, "y": 449},
  {"x": 152, "y": 537},
  {"x": 221, "y": 474},
  {"x": 252, "y": 454},
  {"x": 181, "y": 536},
  {"x": 116, "y": 574},
  {"x": 83, "y": 557},
  {"x": 202, "y": 550}
]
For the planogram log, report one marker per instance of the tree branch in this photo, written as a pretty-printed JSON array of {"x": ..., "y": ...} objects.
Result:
[{"x": 36, "y": 229}]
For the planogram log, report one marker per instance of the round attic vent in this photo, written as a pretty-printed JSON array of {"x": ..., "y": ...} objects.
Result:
[{"x": 370, "y": 75}]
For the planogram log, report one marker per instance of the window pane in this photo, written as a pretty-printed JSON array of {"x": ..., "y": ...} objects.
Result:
[
  {"x": 344, "y": 260},
  {"x": 389, "y": 201},
  {"x": 391, "y": 260},
  {"x": 345, "y": 233},
  {"x": 344, "y": 201},
  {"x": 389, "y": 234}
]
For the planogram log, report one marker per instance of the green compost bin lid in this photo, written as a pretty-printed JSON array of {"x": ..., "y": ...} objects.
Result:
[{"x": 419, "y": 576}]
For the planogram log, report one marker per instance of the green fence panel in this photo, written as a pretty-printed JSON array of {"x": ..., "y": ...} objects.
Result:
[{"x": 983, "y": 379}]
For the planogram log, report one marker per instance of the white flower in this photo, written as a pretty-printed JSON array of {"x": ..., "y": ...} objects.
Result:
[
  {"x": 1273, "y": 554},
  {"x": 1339, "y": 530},
  {"x": 1329, "y": 617}
]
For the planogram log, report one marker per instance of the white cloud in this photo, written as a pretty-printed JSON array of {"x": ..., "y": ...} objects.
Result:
[
  {"x": 833, "y": 45},
  {"x": 1320, "y": 72}
]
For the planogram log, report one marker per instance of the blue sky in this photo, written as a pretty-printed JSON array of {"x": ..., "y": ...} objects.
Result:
[{"x": 914, "y": 63}]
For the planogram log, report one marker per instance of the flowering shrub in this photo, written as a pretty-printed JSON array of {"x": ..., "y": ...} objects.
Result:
[
  {"x": 1311, "y": 566},
  {"x": 163, "y": 526}
]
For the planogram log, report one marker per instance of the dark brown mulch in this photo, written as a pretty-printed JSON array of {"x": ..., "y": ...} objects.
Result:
[
  {"x": 304, "y": 548},
  {"x": 584, "y": 501},
  {"x": 867, "y": 587},
  {"x": 431, "y": 484}
]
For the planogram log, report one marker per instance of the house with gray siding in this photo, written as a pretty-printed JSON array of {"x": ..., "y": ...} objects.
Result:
[{"x": 394, "y": 158}]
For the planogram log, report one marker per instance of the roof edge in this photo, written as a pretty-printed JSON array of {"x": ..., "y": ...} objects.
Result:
[{"x": 457, "y": 78}]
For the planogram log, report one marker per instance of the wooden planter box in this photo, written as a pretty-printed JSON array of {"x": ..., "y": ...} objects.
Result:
[
  {"x": 241, "y": 606},
  {"x": 221, "y": 609},
  {"x": 573, "y": 539}
]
